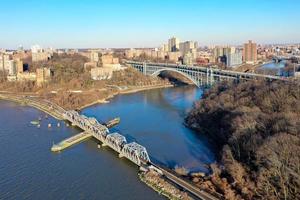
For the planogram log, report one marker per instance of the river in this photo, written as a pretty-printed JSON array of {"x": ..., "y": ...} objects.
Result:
[
  {"x": 277, "y": 66},
  {"x": 28, "y": 169}
]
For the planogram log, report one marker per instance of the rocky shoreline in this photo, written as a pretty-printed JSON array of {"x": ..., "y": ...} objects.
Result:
[{"x": 160, "y": 185}]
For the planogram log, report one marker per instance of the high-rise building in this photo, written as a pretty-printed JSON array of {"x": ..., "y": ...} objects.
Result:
[
  {"x": 40, "y": 56},
  {"x": 234, "y": 59},
  {"x": 11, "y": 67},
  {"x": 108, "y": 59},
  {"x": 187, "y": 47},
  {"x": 250, "y": 53},
  {"x": 94, "y": 56},
  {"x": 173, "y": 44},
  {"x": 217, "y": 53},
  {"x": 5, "y": 64},
  {"x": 42, "y": 75},
  {"x": 19, "y": 65},
  {"x": 229, "y": 50}
]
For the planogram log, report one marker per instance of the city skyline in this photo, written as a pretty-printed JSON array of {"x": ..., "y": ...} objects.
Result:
[{"x": 134, "y": 24}]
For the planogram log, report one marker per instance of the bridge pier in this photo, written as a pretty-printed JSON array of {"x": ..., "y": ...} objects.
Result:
[{"x": 104, "y": 145}]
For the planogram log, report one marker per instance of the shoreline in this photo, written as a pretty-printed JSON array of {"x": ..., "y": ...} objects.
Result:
[
  {"x": 127, "y": 91},
  {"x": 98, "y": 101},
  {"x": 161, "y": 186}
]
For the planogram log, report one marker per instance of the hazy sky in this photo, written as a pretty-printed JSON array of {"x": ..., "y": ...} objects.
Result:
[{"x": 141, "y": 23}]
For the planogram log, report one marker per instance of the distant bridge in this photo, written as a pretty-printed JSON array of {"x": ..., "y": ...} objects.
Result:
[
  {"x": 289, "y": 57},
  {"x": 198, "y": 75}
]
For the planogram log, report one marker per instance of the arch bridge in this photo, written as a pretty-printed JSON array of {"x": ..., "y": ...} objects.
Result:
[{"x": 200, "y": 76}]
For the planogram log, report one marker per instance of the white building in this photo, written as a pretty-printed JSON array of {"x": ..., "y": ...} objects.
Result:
[
  {"x": 234, "y": 59},
  {"x": 36, "y": 49},
  {"x": 8, "y": 65},
  {"x": 11, "y": 67}
]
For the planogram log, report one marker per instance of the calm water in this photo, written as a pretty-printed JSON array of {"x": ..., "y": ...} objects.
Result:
[
  {"x": 275, "y": 66},
  {"x": 28, "y": 169}
]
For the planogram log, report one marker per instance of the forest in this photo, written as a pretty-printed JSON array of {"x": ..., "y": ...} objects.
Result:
[{"x": 255, "y": 127}]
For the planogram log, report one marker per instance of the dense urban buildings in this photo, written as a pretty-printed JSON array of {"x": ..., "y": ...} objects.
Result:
[
  {"x": 102, "y": 62},
  {"x": 104, "y": 65}
]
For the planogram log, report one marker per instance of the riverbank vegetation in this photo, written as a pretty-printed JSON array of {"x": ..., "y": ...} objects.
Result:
[{"x": 256, "y": 129}]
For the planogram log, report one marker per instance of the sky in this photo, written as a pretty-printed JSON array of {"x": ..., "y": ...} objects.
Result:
[{"x": 146, "y": 23}]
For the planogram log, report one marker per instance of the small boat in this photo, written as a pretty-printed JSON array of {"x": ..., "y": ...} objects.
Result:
[
  {"x": 35, "y": 122},
  {"x": 113, "y": 122}
]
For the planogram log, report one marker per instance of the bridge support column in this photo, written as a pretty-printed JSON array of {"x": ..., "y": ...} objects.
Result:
[
  {"x": 211, "y": 77},
  {"x": 104, "y": 144},
  {"x": 144, "y": 68},
  {"x": 201, "y": 81},
  {"x": 207, "y": 76}
]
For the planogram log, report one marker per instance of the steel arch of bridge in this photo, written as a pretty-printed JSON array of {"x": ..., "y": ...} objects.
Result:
[
  {"x": 197, "y": 74},
  {"x": 192, "y": 76}
]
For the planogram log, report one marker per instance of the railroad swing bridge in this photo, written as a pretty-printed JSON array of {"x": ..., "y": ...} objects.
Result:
[
  {"x": 200, "y": 76},
  {"x": 132, "y": 151}
]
